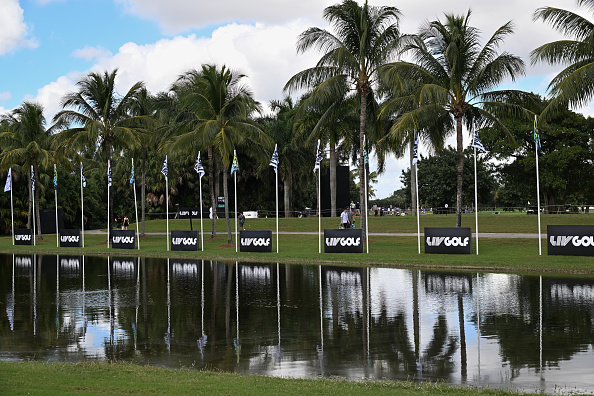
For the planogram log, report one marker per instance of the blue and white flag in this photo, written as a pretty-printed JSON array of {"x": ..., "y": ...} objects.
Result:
[
  {"x": 235, "y": 165},
  {"x": 32, "y": 179},
  {"x": 365, "y": 156},
  {"x": 198, "y": 166},
  {"x": 274, "y": 160},
  {"x": 132, "y": 173},
  {"x": 476, "y": 142},
  {"x": 319, "y": 157},
  {"x": 536, "y": 135},
  {"x": 8, "y": 185},
  {"x": 55, "y": 178},
  {"x": 164, "y": 169},
  {"x": 108, "y": 173},
  {"x": 416, "y": 150},
  {"x": 82, "y": 176}
]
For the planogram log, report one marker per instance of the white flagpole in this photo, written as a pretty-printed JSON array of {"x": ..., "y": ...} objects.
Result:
[
  {"x": 418, "y": 213},
  {"x": 136, "y": 209},
  {"x": 235, "y": 183},
  {"x": 276, "y": 173},
  {"x": 108, "y": 188},
  {"x": 56, "y": 199},
  {"x": 33, "y": 193},
  {"x": 167, "y": 207},
  {"x": 366, "y": 203},
  {"x": 538, "y": 194},
  {"x": 11, "y": 205},
  {"x": 82, "y": 209},
  {"x": 201, "y": 231},
  {"x": 476, "y": 204},
  {"x": 319, "y": 207}
]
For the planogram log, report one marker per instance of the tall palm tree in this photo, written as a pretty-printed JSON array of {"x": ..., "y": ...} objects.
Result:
[
  {"x": 574, "y": 85},
  {"x": 95, "y": 116},
  {"x": 26, "y": 143},
  {"x": 453, "y": 79},
  {"x": 216, "y": 107},
  {"x": 365, "y": 38}
]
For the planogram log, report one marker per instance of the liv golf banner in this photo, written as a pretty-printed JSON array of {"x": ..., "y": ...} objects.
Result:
[
  {"x": 184, "y": 240},
  {"x": 343, "y": 241},
  {"x": 23, "y": 236},
  {"x": 567, "y": 240},
  {"x": 123, "y": 239},
  {"x": 448, "y": 240},
  {"x": 69, "y": 238},
  {"x": 255, "y": 241}
]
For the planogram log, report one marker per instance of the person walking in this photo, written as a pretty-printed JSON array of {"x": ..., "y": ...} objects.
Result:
[
  {"x": 344, "y": 219},
  {"x": 241, "y": 218},
  {"x": 350, "y": 216}
]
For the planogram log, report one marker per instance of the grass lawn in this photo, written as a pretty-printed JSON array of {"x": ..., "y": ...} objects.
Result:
[
  {"x": 496, "y": 254},
  {"x": 128, "y": 379}
]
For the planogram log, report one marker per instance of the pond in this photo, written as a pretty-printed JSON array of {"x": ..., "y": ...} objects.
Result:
[{"x": 527, "y": 333}]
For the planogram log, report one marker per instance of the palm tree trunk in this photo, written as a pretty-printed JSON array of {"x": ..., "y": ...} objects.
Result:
[
  {"x": 333, "y": 174},
  {"x": 212, "y": 193},
  {"x": 413, "y": 180},
  {"x": 30, "y": 212},
  {"x": 226, "y": 195},
  {"x": 460, "y": 169},
  {"x": 362, "y": 189},
  {"x": 288, "y": 190},
  {"x": 37, "y": 217},
  {"x": 143, "y": 190}
]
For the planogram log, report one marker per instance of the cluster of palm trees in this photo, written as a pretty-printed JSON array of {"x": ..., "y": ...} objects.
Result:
[{"x": 371, "y": 84}]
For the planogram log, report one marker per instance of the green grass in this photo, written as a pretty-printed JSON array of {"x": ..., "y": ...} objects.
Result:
[
  {"x": 496, "y": 254},
  {"x": 128, "y": 379}
]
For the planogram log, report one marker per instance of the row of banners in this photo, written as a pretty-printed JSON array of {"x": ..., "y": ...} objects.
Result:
[{"x": 562, "y": 240}]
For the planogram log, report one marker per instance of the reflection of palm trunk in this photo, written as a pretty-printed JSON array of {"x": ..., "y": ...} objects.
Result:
[
  {"x": 228, "y": 306},
  {"x": 214, "y": 303},
  {"x": 144, "y": 299},
  {"x": 416, "y": 319},
  {"x": 463, "y": 362},
  {"x": 365, "y": 309}
]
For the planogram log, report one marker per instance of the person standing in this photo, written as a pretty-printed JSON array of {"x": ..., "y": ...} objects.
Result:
[
  {"x": 350, "y": 215},
  {"x": 344, "y": 219},
  {"x": 126, "y": 222},
  {"x": 241, "y": 218}
]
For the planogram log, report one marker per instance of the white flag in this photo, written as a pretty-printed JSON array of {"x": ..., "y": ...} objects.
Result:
[{"x": 8, "y": 185}]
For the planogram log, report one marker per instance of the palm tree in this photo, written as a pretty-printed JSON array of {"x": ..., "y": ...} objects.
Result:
[
  {"x": 574, "y": 85},
  {"x": 26, "y": 143},
  {"x": 365, "y": 39},
  {"x": 216, "y": 108},
  {"x": 452, "y": 80},
  {"x": 101, "y": 119}
]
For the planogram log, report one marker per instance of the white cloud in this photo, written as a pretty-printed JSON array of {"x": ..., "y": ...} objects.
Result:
[
  {"x": 5, "y": 95},
  {"x": 13, "y": 30},
  {"x": 51, "y": 94},
  {"x": 89, "y": 53}
]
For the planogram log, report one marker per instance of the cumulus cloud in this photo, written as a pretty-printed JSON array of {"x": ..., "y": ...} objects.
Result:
[
  {"x": 89, "y": 53},
  {"x": 14, "y": 32}
]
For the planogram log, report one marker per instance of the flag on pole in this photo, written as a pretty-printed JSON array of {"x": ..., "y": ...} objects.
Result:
[
  {"x": 476, "y": 142},
  {"x": 132, "y": 173},
  {"x": 416, "y": 150},
  {"x": 274, "y": 160},
  {"x": 55, "y": 178},
  {"x": 365, "y": 156},
  {"x": 32, "y": 179},
  {"x": 198, "y": 166},
  {"x": 8, "y": 185},
  {"x": 108, "y": 174},
  {"x": 82, "y": 176},
  {"x": 235, "y": 165},
  {"x": 164, "y": 169},
  {"x": 536, "y": 136},
  {"x": 319, "y": 157}
]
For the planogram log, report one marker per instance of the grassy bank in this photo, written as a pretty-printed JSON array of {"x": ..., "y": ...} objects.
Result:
[
  {"x": 496, "y": 254},
  {"x": 111, "y": 379}
]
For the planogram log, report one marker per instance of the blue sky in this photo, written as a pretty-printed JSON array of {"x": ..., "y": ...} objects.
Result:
[{"x": 46, "y": 45}]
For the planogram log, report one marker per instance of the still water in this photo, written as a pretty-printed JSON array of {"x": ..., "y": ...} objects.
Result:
[{"x": 528, "y": 333}]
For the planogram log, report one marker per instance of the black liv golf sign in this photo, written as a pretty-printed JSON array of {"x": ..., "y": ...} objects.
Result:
[
  {"x": 23, "y": 236},
  {"x": 570, "y": 240},
  {"x": 184, "y": 240},
  {"x": 123, "y": 239},
  {"x": 448, "y": 240},
  {"x": 255, "y": 241},
  {"x": 343, "y": 241},
  {"x": 69, "y": 238}
]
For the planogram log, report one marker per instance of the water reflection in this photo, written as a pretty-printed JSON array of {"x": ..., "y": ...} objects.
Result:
[{"x": 484, "y": 330}]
